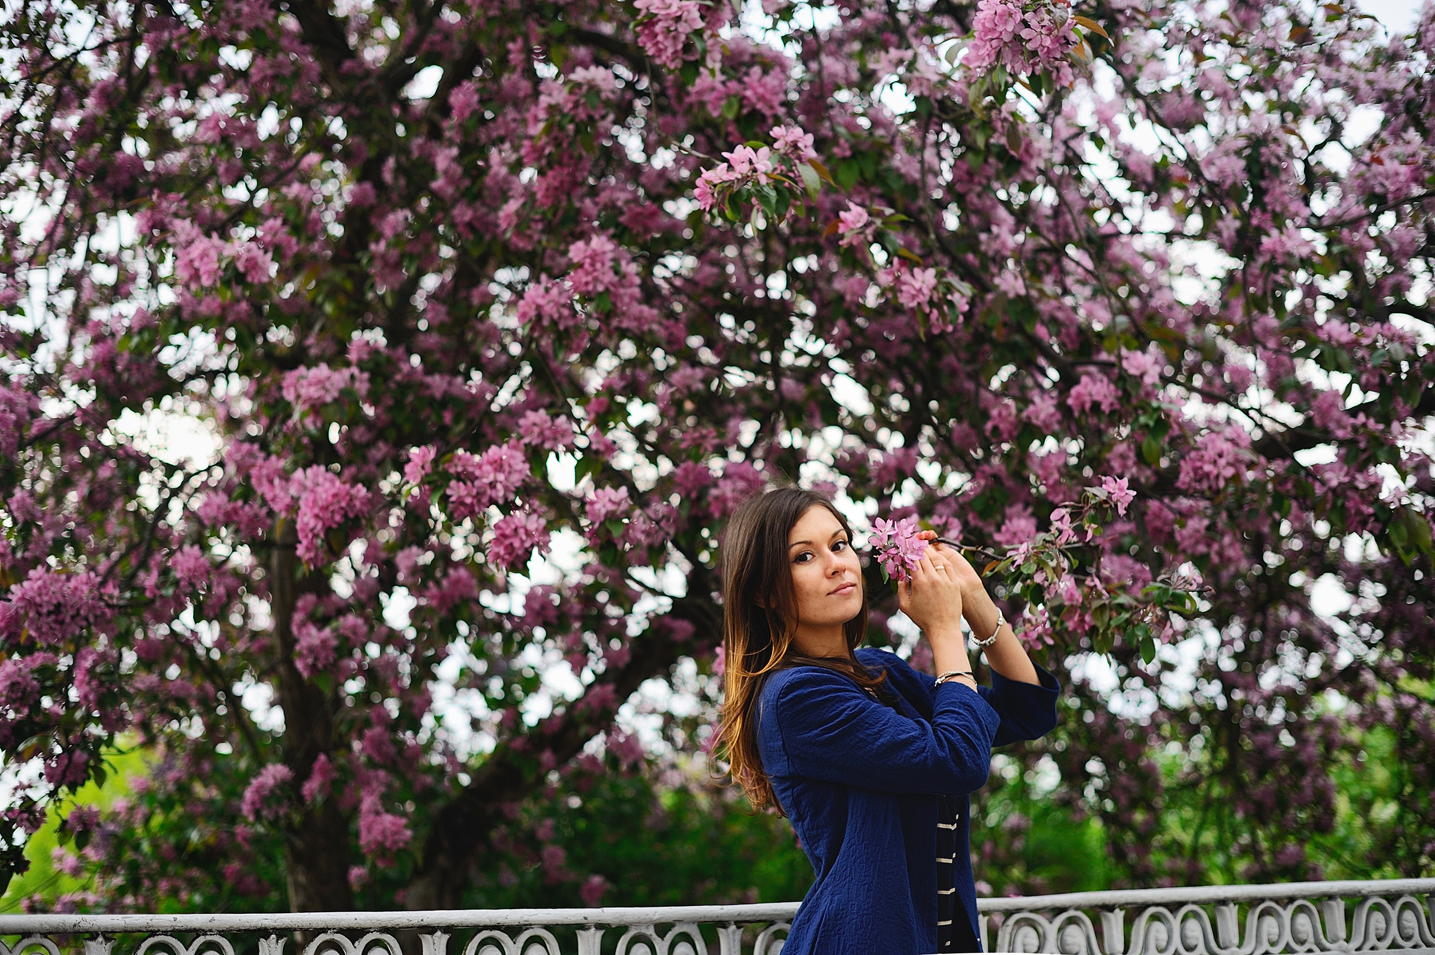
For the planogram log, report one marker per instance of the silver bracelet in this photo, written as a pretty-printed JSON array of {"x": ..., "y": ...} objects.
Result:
[
  {"x": 1001, "y": 622},
  {"x": 953, "y": 674}
]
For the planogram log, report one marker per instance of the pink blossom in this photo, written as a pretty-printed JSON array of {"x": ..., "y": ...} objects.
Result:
[
  {"x": 1118, "y": 493},
  {"x": 594, "y": 77},
  {"x": 515, "y": 537},
  {"x": 1061, "y": 525},
  {"x": 18, "y": 686},
  {"x": 253, "y": 261},
  {"x": 665, "y": 34},
  {"x": 745, "y": 161},
  {"x": 190, "y": 566},
  {"x": 264, "y": 797},
  {"x": 1327, "y": 410},
  {"x": 853, "y": 218},
  {"x": 493, "y": 477},
  {"x": 17, "y": 409},
  {"x": 1145, "y": 365},
  {"x": 1093, "y": 390},
  {"x": 55, "y": 607},
  {"x": 626, "y": 747},
  {"x": 321, "y": 778},
  {"x": 314, "y": 648},
  {"x": 1018, "y": 529},
  {"x": 1218, "y": 458},
  {"x": 307, "y": 388},
  {"x": 593, "y": 890},
  {"x": 896, "y": 546},
  {"x": 539, "y": 430},
  {"x": 915, "y": 287},
  {"x": 546, "y": 302},
  {"x": 464, "y": 101},
  {"x": 554, "y": 859},
  {"x": 196, "y": 261},
  {"x": 607, "y": 502},
  {"x": 690, "y": 478},
  {"x": 704, "y": 193},
  {"x": 793, "y": 141},
  {"x": 419, "y": 463},
  {"x": 324, "y": 504},
  {"x": 593, "y": 261},
  {"x": 382, "y": 834}
]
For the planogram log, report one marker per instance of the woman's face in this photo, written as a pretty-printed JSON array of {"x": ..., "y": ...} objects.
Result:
[{"x": 826, "y": 572}]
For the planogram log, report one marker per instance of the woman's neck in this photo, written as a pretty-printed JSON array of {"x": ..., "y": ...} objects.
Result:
[{"x": 821, "y": 641}]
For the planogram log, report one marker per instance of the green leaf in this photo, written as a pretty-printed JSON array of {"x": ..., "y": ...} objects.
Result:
[
  {"x": 810, "y": 179},
  {"x": 730, "y": 107},
  {"x": 1148, "y": 648},
  {"x": 848, "y": 172}
]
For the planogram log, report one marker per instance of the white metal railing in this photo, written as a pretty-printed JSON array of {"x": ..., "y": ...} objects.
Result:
[{"x": 1388, "y": 916}]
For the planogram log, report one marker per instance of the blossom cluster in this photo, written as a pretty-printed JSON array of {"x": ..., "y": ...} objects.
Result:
[
  {"x": 897, "y": 546},
  {"x": 770, "y": 177},
  {"x": 1023, "y": 36}
]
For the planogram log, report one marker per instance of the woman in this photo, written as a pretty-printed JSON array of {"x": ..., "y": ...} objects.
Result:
[{"x": 870, "y": 759}]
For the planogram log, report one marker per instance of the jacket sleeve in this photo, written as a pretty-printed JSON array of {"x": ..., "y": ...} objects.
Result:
[
  {"x": 1026, "y": 711},
  {"x": 821, "y": 725}
]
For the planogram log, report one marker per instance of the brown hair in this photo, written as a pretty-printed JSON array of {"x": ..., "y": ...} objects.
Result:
[{"x": 759, "y": 621}]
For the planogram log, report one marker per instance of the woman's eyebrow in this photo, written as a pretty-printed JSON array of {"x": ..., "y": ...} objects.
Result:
[{"x": 835, "y": 533}]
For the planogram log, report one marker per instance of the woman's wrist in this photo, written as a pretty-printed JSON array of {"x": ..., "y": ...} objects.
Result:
[{"x": 982, "y": 615}]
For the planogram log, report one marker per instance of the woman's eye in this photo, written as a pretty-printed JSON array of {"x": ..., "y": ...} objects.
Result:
[
  {"x": 839, "y": 547},
  {"x": 802, "y": 557}
]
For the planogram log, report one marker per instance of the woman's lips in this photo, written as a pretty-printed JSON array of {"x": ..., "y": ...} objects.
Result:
[{"x": 843, "y": 591}]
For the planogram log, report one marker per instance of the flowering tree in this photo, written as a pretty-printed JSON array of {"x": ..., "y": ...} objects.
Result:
[{"x": 1130, "y": 299}]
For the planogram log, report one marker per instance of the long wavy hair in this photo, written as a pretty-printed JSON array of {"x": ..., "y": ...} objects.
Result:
[{"x": 760, "y": 620}]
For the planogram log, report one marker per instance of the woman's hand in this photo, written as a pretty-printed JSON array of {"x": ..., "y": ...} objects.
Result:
[
  {"x": 959, "y": 566},
  {"x": 932, "y": 597}
]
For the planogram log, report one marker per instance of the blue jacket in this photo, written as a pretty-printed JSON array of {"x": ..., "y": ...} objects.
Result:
[{"x": 864, "y": 785}]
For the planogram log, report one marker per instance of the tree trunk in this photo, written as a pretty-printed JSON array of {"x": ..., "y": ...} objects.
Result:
[
  {"x": 316, "y": 848},
  {"x": 460, "y": 829}
]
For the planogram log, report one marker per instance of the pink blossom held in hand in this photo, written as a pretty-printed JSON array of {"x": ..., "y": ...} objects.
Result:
[{"x": 896, "y": 545}]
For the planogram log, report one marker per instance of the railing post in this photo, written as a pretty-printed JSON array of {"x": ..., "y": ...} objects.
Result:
[
  {"x": 1334, "y": 912},
  {"x": 1228, "y": 930},
  {"x": 99, "y": 945},
  {"x": 729, "y": 939},
  {"x": 1113, "y": 931},
  {"x": 590, "y": 941}
]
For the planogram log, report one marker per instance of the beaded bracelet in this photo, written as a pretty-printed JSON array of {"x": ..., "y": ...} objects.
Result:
[
  {"x": 953, "y": 674},
  {"x": 1001, "y": 622}
]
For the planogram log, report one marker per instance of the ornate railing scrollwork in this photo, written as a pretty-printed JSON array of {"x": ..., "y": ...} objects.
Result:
[
  {"x": 1350, "y": 918},
  {"x": 1393, "y": 916}
]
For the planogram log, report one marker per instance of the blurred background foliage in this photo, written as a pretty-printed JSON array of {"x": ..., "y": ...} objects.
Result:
[{"x": 672, "y": 836}]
